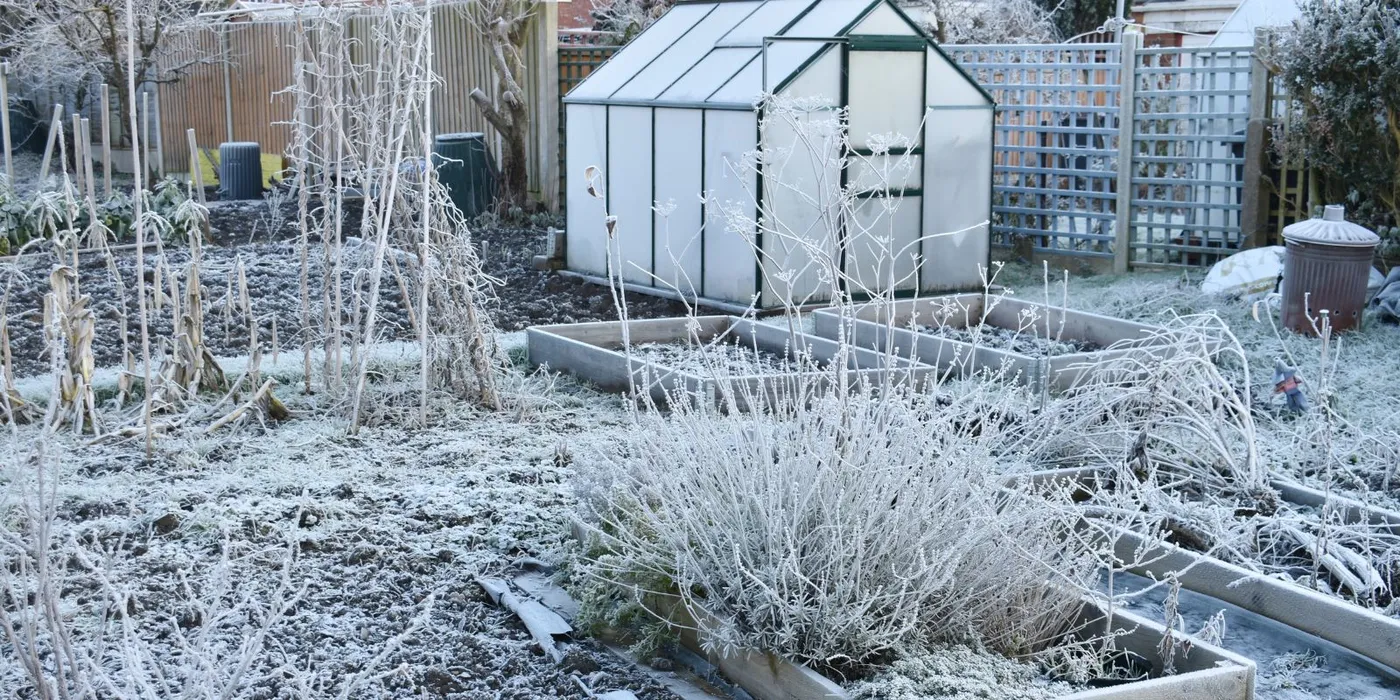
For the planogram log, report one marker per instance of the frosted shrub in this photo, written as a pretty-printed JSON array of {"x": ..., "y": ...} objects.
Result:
[{"x": 832, "y": 530}]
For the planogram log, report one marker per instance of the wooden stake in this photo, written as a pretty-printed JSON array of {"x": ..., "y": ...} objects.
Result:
[
  {"x": 54, "y": 128},
  {"x": 146, "y": 130},
  {"x": 159, "y": 139},
  {"x": 5, "y": 121},
  {"x": 87, "y": 162},
  {"x": 106, "y": 141},
  {"x": 78, "y": 149},
  {"x": 196, "y": 176}
]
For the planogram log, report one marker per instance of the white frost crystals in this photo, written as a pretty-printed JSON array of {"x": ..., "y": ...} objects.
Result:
[{"x": 835, "y": 531}]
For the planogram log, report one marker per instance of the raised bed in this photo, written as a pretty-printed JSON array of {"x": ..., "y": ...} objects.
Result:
[
  {"x": 1360, "y": 630},
  {"x": 1208, "y": 672},
  {"x": 933, "y": 331},
  {"x": 594, "y": 352}
]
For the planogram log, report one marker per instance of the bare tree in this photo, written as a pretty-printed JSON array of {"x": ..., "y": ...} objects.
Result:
[
  {"x": 505, "y": 24},
  {"x": 67, "y": 45},
  {"x": 989, "y": 21}
]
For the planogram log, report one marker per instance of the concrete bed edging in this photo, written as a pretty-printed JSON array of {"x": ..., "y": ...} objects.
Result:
[
  {"x": 870, "y": 327},
  {"x": 592, "y": 351}
]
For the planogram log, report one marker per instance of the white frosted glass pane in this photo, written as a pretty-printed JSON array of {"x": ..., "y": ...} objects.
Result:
[
  {"x": 801, "y": 204},
  {"x": 685, "y": 52},
  {"x": 729, "y": 254},
  {"x": 678, "y": 188},
  {"x": 883, "y": 245},
  {"x": 885, "y": 172},
  {"x": 820, "y": 79},
  {"x": 744, "y": 87},
  {"x": 769, "y": 20},
  {"x": 586, "y": 145},
  {"x": 708, "y": 75},
  {"x": 785, "y": 58},
  {"x": 948, "y": 86},
  {"x": 957, "y": 197},
  {"x": 828, "y": 18},
  {"x": 632, "y": 57},
  {"x": 884, "y": 20},
  {"x": 884, "y": 97},
  {"x": 629, "y": 190}
]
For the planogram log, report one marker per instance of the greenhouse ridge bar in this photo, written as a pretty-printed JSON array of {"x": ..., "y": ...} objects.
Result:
[{"x": 673, "y": 114}]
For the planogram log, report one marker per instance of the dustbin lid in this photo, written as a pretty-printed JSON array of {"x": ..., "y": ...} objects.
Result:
[
  {"x": 462, "y": 136},
  {"x": 1331, "y": 229}
]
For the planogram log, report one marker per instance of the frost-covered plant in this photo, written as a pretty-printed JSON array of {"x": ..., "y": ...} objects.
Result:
[
  {"x": 959, "y": 673},
  {"x": 834, "y": 527},
  {"x": 1340, "y": 66},
  {"x": 373, "y": 130}
]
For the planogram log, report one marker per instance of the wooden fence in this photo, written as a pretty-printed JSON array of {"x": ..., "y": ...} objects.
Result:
[{"x": 241, "y": 99}]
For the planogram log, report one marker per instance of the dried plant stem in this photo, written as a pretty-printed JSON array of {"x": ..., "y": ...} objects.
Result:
[{"x": 139, "y": 224}]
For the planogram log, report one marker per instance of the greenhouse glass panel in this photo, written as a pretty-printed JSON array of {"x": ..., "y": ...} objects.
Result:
[
  {"x": 785, "y": 58},
  {"x": 802, "y": 198},
  {"x": 883, "y": 108},
  {"x": 629, "y": 165},
  {"x": 885, "y": 172},
  {"x": 687, "y": 51},
  {"x": 883, "y": 241},
  {"x": 586, "y": 144},
  {"x": 886, "y": 21},
  {"x": 679, "y": 144},
  {"x": 731, "y": 185},
  {"x": 708, "y": 75},
  {"x": 828, "y": 18},
  {"x": 958, "y": 192},
  {"x": 744, "y": 87},
  {"x": 604, "y": 81},
  {"x": 820, "y": 81},
  {"x": 947, "y": 86},
  {"x": 769, "y": 20}
]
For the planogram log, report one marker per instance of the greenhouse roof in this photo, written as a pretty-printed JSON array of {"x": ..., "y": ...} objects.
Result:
[{"x": 716, "y": 54}]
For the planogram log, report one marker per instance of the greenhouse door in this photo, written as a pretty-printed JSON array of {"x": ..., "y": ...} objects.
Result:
[{"x": 885, "y": 99}]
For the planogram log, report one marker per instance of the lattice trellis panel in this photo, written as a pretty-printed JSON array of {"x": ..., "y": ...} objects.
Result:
[
  {"x": 1056, "y": 142},
  {"x": 1191, "y": 115}
]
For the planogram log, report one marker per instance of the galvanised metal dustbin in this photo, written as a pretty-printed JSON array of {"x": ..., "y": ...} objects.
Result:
[{"x": 1327, "y": 266}]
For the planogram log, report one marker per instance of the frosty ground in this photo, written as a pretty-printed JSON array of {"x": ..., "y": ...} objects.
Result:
[{"x": 383, "y": 532}]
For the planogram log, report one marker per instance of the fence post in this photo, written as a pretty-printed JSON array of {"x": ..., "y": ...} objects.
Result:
[
  {"x": 1127, "y": 110},
  {"x": 547, "y": 24},
  {"x": 1254, "y": 216},
  {"x": 5, "y": 120}
]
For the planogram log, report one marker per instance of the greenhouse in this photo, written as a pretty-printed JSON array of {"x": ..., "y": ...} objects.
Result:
[{"x": 681, "y": 111}]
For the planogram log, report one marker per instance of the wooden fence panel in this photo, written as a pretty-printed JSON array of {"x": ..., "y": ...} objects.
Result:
[{"x": 262, "y": 64}]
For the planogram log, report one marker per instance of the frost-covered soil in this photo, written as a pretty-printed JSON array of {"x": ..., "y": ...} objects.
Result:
[
  {"x": 1025, "y": 342},
  {"x": 272, "y": 264},
  {"x": 730, "y": 358},
  {"x": 384, "y": 530}
]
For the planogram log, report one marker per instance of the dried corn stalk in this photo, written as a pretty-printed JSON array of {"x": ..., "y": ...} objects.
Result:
[{"x": 68, "y": 328}]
